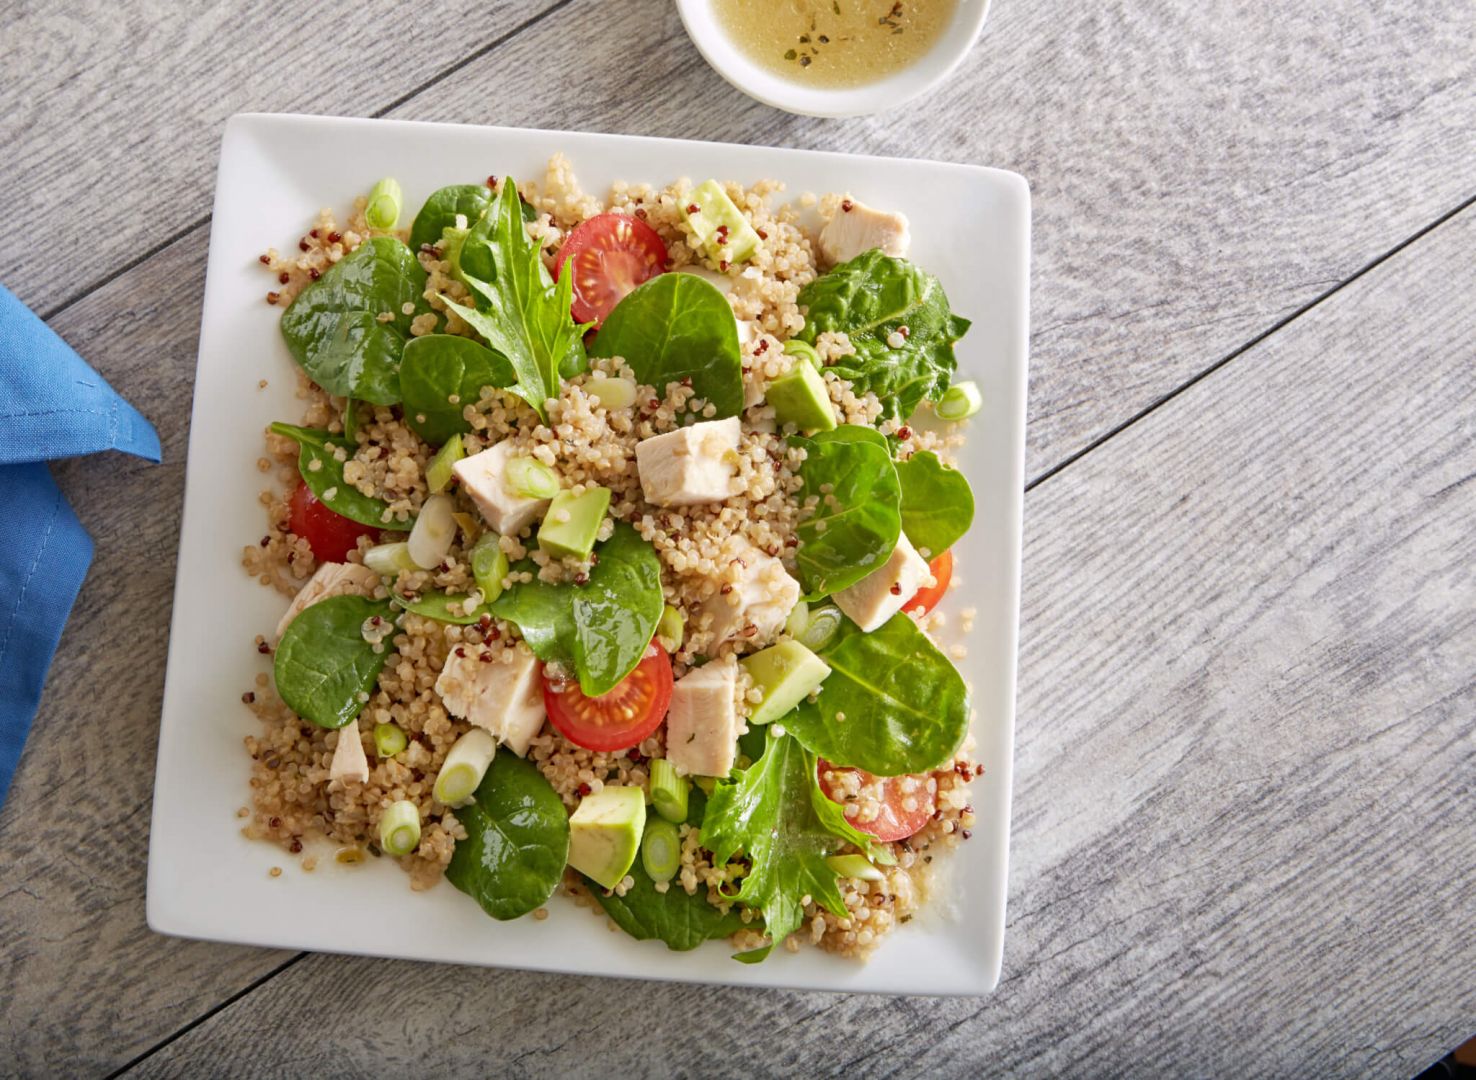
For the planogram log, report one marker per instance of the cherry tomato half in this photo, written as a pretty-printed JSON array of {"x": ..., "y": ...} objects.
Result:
[
  {"x": 616, "y": 720},
  {"x": 894, "y": 821},
  {"x": 331, "y": 536},
  {"x": 612, "y": 254},
  {"x": 928, "y": 596}
]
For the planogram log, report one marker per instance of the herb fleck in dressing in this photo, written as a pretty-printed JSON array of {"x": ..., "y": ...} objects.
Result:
[{"x": 834, "y": 43}]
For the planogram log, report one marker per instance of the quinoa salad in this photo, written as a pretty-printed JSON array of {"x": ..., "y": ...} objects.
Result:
[{"x": 615, "y": 535}]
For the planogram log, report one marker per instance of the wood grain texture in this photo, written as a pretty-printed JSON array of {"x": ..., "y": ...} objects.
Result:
[
  {"x": 84, "y": 984},
  {"x": 1185, "y": 211},
  {"x": 111, "y": 114},
  {"x": 1199, "y": 172},
  {"x": 1244, "y": 837}
]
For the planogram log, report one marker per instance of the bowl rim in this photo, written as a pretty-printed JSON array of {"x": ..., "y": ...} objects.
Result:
[{"x": 763, "y": 86}]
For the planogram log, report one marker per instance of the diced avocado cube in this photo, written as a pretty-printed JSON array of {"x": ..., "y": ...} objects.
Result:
[
  {"x": 572, "y": 523},
  {"x": 801, "y": 398},
  {"x": 605, "y": 833},
  {"x": 720, "y": 226},
  {"x": 786, "y": 673}
]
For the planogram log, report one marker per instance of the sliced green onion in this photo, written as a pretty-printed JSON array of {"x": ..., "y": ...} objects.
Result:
[
  {"x": 661, "y": 849},
  {"x": 961, "y": 401},
  {"x": 612, "y": 393},
  {"x": 383, "y": 209},
  {"x": 489, "y": 566},
  {"x": 387, "y": 560},
  {"x": 438, "y": 472},
  {"x": 855, "y": 866},
  {"x": 389, "y": 740},
  {"x": 434, "y": 532},
  {"x": 399, "y": 828},
  {"x": 796, "y": 347},
  {"x": 671, "y": 628},
  {"x": 824, "y": 623},
  {"x": 465, "y": 765},
  {"x": 669, "y": 791},
  {"x": 799, "y": 618},
  {"x": 530, "y": 478}
]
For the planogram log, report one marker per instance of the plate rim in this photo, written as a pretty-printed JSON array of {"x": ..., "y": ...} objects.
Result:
[{"x": 164, "y": 919}]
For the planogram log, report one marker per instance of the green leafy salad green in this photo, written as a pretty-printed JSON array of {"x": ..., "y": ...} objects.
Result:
[
  {"x": 322, "y": 472},
  {"x": 856, "y": 521},
  {"x": 335, "y": 330},
  {"x": 899, "y": 323},
  {"x": 775, "y": 813},
  {"x": 521, "y": 312},
  {"x": 632, "y": 627},
  {"x": 675, "y": 327},
  {"x": 599, "y": 629}
]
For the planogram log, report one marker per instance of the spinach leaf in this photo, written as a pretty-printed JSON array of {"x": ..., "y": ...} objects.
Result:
[
  {"x": 855, "y": 526},
  {"x": 677, "y": 326},
  {"x": 906, "y": 706},
  {"x": 616, "y": 612},
  {"x": 437, "y": 367},
  {"x": 323, "y": 662},
  {"x": 870, "y": 298},
  {"x": 521, "y": 313},
  {"x": 517, "y": 840},
  {"x": 440, "y": 210},
  {"x": 437, "y": 605},
  {"x": 680, "y": 920},
  {"x": 775, "y": 813},
  {"x": 439, "y": 214},
  {"x": 937, "y": 503},
  {"x": 333, "y": 328},
  {"x": 326, "y": 479},
  {"x": 543, "y": 614},
  {"x": 599, "y": 629}
]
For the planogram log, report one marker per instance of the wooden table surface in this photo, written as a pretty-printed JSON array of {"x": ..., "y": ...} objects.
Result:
[{"x": 1244, "y": 837}]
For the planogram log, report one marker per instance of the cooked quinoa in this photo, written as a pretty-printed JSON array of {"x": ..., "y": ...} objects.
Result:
[{"x": 587, "y": 443}]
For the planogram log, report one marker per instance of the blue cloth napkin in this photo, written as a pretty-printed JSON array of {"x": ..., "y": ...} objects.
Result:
[{"x": 52, "y": 405}]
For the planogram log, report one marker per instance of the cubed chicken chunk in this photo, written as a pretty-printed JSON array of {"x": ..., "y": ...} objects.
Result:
[
  {"x": 503, "y": 695},
  {"x": 761, "y": 597},
  {"x": 330, "y": 579},
  {"x": 349, "y": 765},
  {"x": 702, "y": 724},
  {"x": 880, "y": 594},
  {"x": 694, "y": 464},
  {"x": 858, "y": 228},
  {"x": 484, "y": 477}
]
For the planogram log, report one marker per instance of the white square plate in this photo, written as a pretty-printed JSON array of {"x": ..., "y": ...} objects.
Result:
[{"x": 970, "y": 227}]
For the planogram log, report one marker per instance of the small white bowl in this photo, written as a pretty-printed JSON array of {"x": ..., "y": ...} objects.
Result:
[{"x": 757, "y": 82}]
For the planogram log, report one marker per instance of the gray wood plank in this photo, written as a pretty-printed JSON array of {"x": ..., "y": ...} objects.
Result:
[
  {"x": 84, "y": 984},
  {"x": 1199, "y": 170},
  {"x": 1223, "y": 175},
  {"x": 1243, "y": 838},
  {"x": 111, "y": 114},
  {"x": 1133, "y": 292}
]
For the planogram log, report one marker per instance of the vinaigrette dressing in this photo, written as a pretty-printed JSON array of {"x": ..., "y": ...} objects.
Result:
[{"x": 834, "y": 43}]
